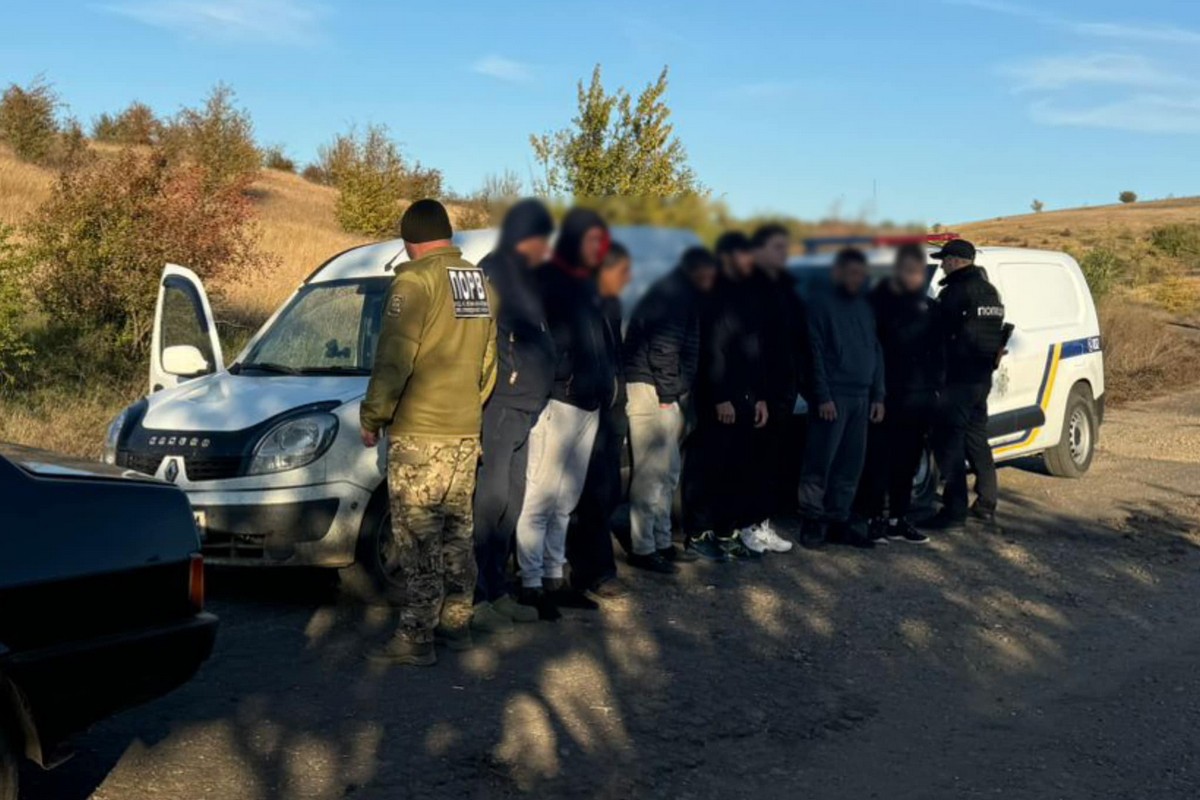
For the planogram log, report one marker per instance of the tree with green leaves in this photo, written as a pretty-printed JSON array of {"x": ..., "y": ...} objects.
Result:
[
  {"x": 616, "y": 146},
  {"x": 29, "y": 119}
]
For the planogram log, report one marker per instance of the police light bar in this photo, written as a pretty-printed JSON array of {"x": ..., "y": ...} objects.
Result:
[{"x": 813, "y": 244}]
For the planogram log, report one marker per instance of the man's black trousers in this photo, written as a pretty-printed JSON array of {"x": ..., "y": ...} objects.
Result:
[
  {"x": 779, "y": 447},
  {"x": 499, "y": 494},
  {"x": 724, "y": 484},
  {"x": 833, "y": 461},
  {"x": 895, "y": 448},
  {"x": 964, "y": 441},
  {"x": 589, "y": 537}
]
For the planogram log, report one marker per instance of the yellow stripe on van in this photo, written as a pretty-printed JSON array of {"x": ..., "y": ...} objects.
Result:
[{"x": 1047, "y": 391}]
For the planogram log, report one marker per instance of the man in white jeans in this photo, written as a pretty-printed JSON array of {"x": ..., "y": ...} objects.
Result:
[
  {"x": 662, "y": 351},
  {"x": 560, "y": 444}
]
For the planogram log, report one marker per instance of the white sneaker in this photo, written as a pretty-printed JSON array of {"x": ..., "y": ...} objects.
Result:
[
  {"x": 753, "y": 538},
  {"x": 774, "y": 542}
]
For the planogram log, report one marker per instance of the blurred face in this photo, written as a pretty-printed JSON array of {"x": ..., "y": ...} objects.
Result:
[
  {"x": 534, "y": 250},
  {"x": 614, "y": 278},
  {"x": 740, "y": 263},
  {"x": 851, "y": 276},
  {"x": 954, "y": 263},
  {"x": 591, "y": 252},
  {"x": 909, "y": 275},
  {"x": 705, "y": 277},
  {"x": 773, "y": 254}
]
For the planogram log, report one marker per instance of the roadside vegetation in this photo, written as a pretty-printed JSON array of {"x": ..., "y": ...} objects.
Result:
[{"x": 87, "y": 221}]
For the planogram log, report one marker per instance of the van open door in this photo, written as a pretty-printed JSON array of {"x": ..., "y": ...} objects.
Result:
[{"x": 184, "y": 343}]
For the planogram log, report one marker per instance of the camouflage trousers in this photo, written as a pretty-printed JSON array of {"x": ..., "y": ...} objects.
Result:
[{"x": 430, "y": 485}]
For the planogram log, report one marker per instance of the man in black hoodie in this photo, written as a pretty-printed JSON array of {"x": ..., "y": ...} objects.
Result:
[
  {"x": 722, "y": 481},
  {"x": 662, "y": 351},
  {"x": 560, "y": 444},
  {"x": 526, "y": 357},
  {"x": 906, "y": 318},
  {"x": 848, "y": 390}
]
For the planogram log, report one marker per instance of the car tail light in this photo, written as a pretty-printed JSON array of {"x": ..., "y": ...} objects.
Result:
[{"x": 196, "y": 582}]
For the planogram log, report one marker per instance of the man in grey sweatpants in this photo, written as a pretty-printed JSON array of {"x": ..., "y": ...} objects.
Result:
[{"x": 848, "y": 393}]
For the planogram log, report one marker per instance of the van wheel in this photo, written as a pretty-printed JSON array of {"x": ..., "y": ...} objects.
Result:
[
  {"x": 367, "y": 579},
  {"x": 9, "y": 761},
  {"x": 1072, "y": 456}
]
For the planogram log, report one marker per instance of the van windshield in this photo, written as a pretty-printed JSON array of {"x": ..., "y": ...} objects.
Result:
[{"x": 326, "y": 329}]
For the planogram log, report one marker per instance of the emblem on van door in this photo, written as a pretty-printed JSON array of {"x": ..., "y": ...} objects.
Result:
[
  {"x": 1001, "y": 382},
  {"x": 172, "y": 472}
]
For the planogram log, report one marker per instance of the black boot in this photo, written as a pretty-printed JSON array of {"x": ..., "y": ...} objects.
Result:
[
  {"x": 945, "y": 520},
  {"x": 566, "y": 596},
  {"x": 858, "y": 535},
  {"x": 813, "y": 534},
  {"x": 539, "y": 599}
]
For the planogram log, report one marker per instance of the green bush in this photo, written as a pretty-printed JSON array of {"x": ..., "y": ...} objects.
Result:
[
  {"x": 1103, "y": 269},
  {"x": 274, "y": 157},
  {"x": 1127, "y": 197},
  {"x": 28, "y": 120},
  {"x": 375, "y": 183},
  {"x": 136, "y": 125},
  {"x": 218, "y": 138},
  {"x": 1180, "y": 240},
  {"x": 15, "y": 350},
  {"x": 99, "y": 243}
]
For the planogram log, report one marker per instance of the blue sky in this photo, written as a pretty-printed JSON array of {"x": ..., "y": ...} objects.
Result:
[{"x": 930, "y": 110}]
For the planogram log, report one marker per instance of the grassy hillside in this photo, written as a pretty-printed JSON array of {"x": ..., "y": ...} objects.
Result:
[{"x": 1079, "y": 228}]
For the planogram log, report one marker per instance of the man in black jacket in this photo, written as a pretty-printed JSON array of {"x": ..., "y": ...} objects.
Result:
[
  {"x": 560, "y": 444},
  {"x": 973, "y": 330},
  {"x": 848, "y": 390},
  {"x": 525, "y": 363},
  {"x": 662, "y": 351},
  {"x": 722, "y": 481},
  {"x": 589, "y": 539},
  {"x": 779, "y": 445},
  {"x": 907, "y": 321}
]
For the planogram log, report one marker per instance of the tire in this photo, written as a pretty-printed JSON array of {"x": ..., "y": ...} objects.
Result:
[
  {"x": 10, "y": 759},
  {"x": 1073, "y": 454},
  {"x": 367, "y": 579}
]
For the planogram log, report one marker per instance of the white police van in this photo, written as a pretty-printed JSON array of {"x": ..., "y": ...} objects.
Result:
[
  {"x": 268, "y": 448},
  {"x": 1047, "y": 396}
]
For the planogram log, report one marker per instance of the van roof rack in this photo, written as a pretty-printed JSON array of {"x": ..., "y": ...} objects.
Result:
[{"x": 816, "y": 243}]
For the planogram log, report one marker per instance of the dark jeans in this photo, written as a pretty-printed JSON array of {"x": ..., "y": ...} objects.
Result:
[
  {"x": 964, "y": 440},
  {"x": 723, "y": 482},
  {"x": 833, "y": 461},
  {"x": 779, "y": 449},
  {"x": 499, "y": 494},
  {"x": 894, "y": 451},
  {"x": 589, "y": 537}
]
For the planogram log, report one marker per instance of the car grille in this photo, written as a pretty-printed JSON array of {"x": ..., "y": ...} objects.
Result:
[{"x": 214, "y": 468}]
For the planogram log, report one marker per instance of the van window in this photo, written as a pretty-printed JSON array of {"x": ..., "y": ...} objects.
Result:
[
  {"x": 1039, "y": 296},
  {"x": 326, "y": 328}
]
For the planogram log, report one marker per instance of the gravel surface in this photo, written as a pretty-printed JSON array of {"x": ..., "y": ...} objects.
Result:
[{"x": 1055, "y": 659}]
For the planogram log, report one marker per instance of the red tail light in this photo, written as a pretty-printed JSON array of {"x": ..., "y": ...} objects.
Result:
[{"x": 196, "y": 582}]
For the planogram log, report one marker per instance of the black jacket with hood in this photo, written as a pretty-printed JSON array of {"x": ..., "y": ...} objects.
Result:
[
  {"x": 786, "y": 347},
  {"x": 732, "y": 369},
  {"x": 913, "y": 351},
  {"x": 662, "y": 343},
  {"x": 524, "y": 347},
  {"x": 585, "y": 372},
  {"x": 973, "y": 325}
]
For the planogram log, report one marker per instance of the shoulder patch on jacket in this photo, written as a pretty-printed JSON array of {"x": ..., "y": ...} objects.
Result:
[
  {"x": 395, "y": 304},
  {"x": 469, "y": 292}
]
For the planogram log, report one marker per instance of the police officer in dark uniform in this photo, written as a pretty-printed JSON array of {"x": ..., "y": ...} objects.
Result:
[{"x": 974, "y": 333}]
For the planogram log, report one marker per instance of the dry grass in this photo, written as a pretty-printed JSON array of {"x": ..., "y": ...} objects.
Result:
[
  {"x": 67, "y": 419},
  {"x": 1144, "y": 354},
  {"x": 22, "y": 187}
]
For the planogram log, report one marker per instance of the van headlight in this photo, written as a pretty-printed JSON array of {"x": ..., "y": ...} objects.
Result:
[
  {"x": 113, "y": 437},
  {"x": 294, "y": 443}
]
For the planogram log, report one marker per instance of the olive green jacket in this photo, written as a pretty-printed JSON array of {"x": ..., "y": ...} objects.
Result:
[{"x": 435, "y": 363}]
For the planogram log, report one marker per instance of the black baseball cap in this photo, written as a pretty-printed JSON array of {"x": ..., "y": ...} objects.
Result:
[{"x": 956, "y": 248}]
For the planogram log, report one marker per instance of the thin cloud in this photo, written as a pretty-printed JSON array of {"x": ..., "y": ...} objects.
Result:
[
  {"x": 503, "y": 69},
  {"x": 294, "y": 22},
  {"x": 1129, "y": 32},
  {"x": 1098, "y": 69},
  {"x": 1140, "y": 114}
]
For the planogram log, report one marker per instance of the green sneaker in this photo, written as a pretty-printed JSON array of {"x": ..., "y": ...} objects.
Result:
[
  {"x": 456, "y": 638},
  {"x": 707, "y": 547},
  {"x": 402, "y": 651},
  {"x": 508, "y": 607},
  {"x": 486, "y": 619}
]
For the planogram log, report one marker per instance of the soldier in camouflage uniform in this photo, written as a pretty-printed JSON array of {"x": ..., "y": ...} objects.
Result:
[{"x": 435, "y": 364}]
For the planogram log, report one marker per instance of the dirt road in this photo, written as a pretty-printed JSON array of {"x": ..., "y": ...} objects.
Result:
[{"x": 1060, "y": 659}]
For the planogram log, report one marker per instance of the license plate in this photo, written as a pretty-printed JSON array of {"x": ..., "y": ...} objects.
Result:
[{"x": 201, "y": 520}]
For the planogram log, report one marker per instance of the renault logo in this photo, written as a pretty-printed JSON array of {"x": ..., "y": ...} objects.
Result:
[{"x": 172, "y": 473}]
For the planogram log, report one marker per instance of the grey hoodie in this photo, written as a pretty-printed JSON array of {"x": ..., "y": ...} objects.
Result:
[{"x": 847, "y": 358}]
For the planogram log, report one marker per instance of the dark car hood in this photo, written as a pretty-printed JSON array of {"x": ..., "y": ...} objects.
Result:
[{"x": 56, "y": 465}]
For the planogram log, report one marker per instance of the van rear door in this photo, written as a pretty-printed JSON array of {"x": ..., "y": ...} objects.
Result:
[{"x": 184, "y": 344}]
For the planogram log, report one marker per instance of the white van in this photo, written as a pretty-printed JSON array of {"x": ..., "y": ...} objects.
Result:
[
  {"x": 1047, "y": 396},
  {"x": 268, "y": 448}
]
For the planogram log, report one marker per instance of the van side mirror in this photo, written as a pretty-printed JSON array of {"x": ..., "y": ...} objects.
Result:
[{"x": 185, "y": 360}]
